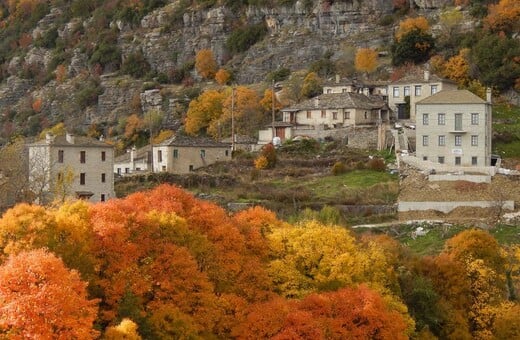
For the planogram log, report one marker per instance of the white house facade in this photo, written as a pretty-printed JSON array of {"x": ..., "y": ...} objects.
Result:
[
  {"x": 134, "y": 161},
  {"x": 74, "y": 166},
  {"x": 454, "y": 128}
]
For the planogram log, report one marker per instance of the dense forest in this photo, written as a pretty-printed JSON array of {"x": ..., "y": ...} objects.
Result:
[{"x": 164, "y": 265}]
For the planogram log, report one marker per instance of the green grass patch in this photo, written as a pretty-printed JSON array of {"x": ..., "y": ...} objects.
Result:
[{"x": 506, "y": 234}]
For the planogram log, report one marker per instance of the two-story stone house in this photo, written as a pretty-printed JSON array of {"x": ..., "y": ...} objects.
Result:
[
  {"x": 74, "y": 166},
  {"x": 182, "y": 154},
  {"x": 404, "y": 93},
  {"x": 454, "y": 128}
]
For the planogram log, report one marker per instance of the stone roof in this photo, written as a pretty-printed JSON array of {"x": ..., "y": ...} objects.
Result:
[
  {"x": 139, "y": 154},
  {"x": 452, "y": 97},
  {"x": 241, "y": 139},
  {"x": 416, "y": 78},
  {"x": 183, "y": 140},
  {"x": 78, "y": 141},
  {"x": 339, "y": 101},
  {"x": 332, "y": 82}
]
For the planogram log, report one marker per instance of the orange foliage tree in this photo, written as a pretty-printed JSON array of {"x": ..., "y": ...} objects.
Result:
[
  {"x": 203, "y": 110},
  {"x": 411, "y": 24},
  {"x": 504, "y": 16},
  {"x": 222, "y": 76},
  {"x": 366, "y": 60},
  {"x": 205, "y": 63},
  {"x": 41, "y": 298}
]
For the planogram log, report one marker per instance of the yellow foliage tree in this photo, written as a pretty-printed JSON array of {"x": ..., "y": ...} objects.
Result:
[
  {"x": 267, "y": 101},
  {"x": 366, "y": 60},
  {"x": 132, "y": 126},
  {"x": 457, "y": 68},
  {"x": 57, "y": 130},
  {"x": 205, "y": 64},
  {"x": 504, "y": 16},
  {"x": 203, "y": 110},
  {"x": 222, "y": 76},
  {"x": 410, "y": 24},
  {"x": 162, "y": 136},
  {"x": 127, "y": 329}
]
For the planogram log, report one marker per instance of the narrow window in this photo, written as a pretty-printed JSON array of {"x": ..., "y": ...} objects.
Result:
[
  {"x": 346, "y": 115},
  {"x": 159, "y": 155},
  {"x": 102, "y": 197},
  {"x": 474, "y": 119},
  {"x": 119, "y": 171},
  {"x": 334, "y": 115},
  {"x": 473, "y": 160},
  {"x": 425, "y": 140},
  {"x": 103, "y": 156},
  {"x": 418, "y": 90},
  {"x": 396, "y": 91},
  {"x": 425, "y": 119},
  {"x": 457, "y": 160},
  {"x": 127, "y": 170},
  {"x": 309, "y": 114},
  {"x": 406, "y": 91},
  {"x": 82, "y": 157},
  {"x": 82, "y": 177},
  {"x": 175, "y": 153},
  {"x": 458, "y": 140},
  {"x": 458, "y": 122},
  {"x": 60, "y": 156},
  {"x": 441, "y": 119},
  {"x": 474, "y": 140},
  {"x": 425, "y": 158},
  {"x": 441, "y": 159},
  {"x": 329, "y": 90},
  {"x": 323, "y": 114},
  {"x": 202, "y": 153},
  {"x": 366, "y": 115},
  {"x": 191, "y": 167},
  {"x": 434, "y": 89},
  {"x": 103, "y": 178},
  {"x": 227, "y": 153},
  {"x": 442, "y": 140}
]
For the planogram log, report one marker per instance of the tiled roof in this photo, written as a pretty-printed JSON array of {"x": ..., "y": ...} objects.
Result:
[
  {"x": 183, "y": 140},
  {"x": 339, "y": 101},
  {"x": 78, "y": 141},
  {"x": 452, "y": 97}
]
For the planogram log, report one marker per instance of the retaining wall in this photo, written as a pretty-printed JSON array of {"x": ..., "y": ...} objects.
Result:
[{"x": 446, "y": 207}]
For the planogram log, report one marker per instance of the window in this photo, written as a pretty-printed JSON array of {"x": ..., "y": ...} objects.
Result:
[
  {"x": 441, "y": 159},
  {"x": 60, "y": 156},
  {"x": 474, "y": 140},
  {"x": 82, "y": 157},
  {"x": 441, "y": 119},
  {"x": 366, "y": 115},
  {"x": 103, "y": 178},
  {"x": 425, "y": 140},
  {"x": 202, "y": 153},
  {"x": 425, "y": 158},
  {"x": 329, "y": 90},
  {"x": 458, "y": 122},
  {"x": 344, "y": 91},
  {"x": 309, "y": 114},
  {"x": 227, "y": 153},
  {"x": 334, "y": 115},
  {"x": 103, "y": 156},
  {"x": 396, "y": 91},
  {"x": 442, "y": 140},
  {"x": 102, "y": 197},
  {"x": 406, "y": 91},
  {"x": 346, "y": 115},
  {"x": 191, "y": 167},
  {"x": 323, "y": 114},
  {"x": 176, "y": 153},
  {"x": 127, "y": 170},
  {"x": 159, "y": 155},
  {"x": 418, "y": 90},
  {"x": 457, "y": 160},
  {"x": 425, "y": 119},
  {"x": 163, "y": 168},
  {"x": 473, "y": 160},
  {"x": 433, "y": 89},
  {"x": 119, "y": 171},
  {"x": 82, "y": 177},
  {"x": 458, "y": 140},
  {"x": 60, "y": 176},
  {"x": 474, "y": 119}
]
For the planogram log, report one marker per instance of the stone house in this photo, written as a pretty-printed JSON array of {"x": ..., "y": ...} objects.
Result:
[
  {"x": 322, "y": 116},
  {"x": 71, "y": 166},
  {"x": 134, "y": 161},
  {"x": 414, "y": 88},
  {"x": 339, "y": 85},
  {"x": 454, "y": 128},
  {"x": 182, "y": 154}
]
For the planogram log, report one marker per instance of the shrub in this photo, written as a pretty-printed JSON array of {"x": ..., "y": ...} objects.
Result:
[
  {"x": 136, "y": 65},
  {"x": 242, "y": 39},
  {"x": 261, "y": 162},
  {"x": 279, "y": 75},
  {"x": 269, "y": 152},
  {"x": 338, "y": 168},
  {"x": 376, "y": 164}
]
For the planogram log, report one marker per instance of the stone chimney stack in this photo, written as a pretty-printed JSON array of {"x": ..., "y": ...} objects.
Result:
[
  {"x": 489, "y": 98},
  {"x": 49, "y": 138},
  {"x": 337, "y": 78},
  {"x": 70, "y": 138},
  {"x": 426, "y": 75},
  {"x": 132, "y": 154},
  {"x": 317, "y": 102}
]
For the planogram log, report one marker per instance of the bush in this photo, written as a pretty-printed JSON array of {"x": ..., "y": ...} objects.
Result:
[
  {"x": 376, "y": 164},
  {"x": 269, "y": 152},
  {"x": 136, "y": 65},
  {"x": 338, "y": 168},
  {"x": 88, "y": 94},
  {"x": 242, "y": 39},
  {"x": 278, "y": 75},
  {"x": 261, "y": 162}
]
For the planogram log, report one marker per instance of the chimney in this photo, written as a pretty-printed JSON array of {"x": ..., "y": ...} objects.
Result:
[
  {"x": 337, "y": 78},
  {"x": 70, "y": 138},
  {"x": 366, "y": 91},
  {"x": 49, "y": 138},
  {"x": 426, "y": 75},
  {"x": 132, "y": 154},
  {"x": 488, "y": 95},
  {"x": 317, "y": 102}
]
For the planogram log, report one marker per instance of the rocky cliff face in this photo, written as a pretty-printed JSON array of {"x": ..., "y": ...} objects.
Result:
[{"x": 297, "y": 36}]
